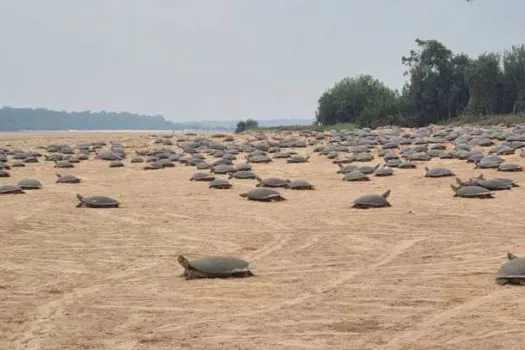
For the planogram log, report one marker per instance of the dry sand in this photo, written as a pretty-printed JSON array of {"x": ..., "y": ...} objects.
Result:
[{"x": 418, "y": 275}]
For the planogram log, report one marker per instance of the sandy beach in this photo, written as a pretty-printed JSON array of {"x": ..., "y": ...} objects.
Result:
[{"x": 417, "y": 275}]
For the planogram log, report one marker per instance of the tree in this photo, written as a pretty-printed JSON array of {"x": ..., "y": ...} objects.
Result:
[
  {"x": 362, "y": 100},
  {"x": 251, "y": 124},
  {"x": 241, "y": 126},
  {"x": 514, "y": 79},
  {"x": 485, "y": 78}
]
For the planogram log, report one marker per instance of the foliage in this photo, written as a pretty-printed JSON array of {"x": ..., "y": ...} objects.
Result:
[
  {"x": 15, "y": 119},
  {"x": 249, "y": 124},
  {"x": 361, "y": 100},
  {"x": 441, "y": 85}
]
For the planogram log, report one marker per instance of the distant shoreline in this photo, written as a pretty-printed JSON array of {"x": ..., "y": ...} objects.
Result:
[{"x": 122, "y": 131}]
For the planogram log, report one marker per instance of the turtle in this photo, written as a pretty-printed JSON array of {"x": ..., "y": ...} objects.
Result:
[
  {"x": 368, "y": 169},
  {"x": 263, "y": 195},
  {"x": 64, "y": 164},
  {"x": 214, "y": 267},
  {"x": 298, "y": 159},
  {"x": 343, "y": 169},
  {"x": 67, "y": 179},
  {"x": 512, "y": 271},
  {"x": 486, "y": 163},
  {"x": 244, "y": 167},
  {"x": 203, "y": 166},
  {"x": 11, "y": 189},
  {"x": 223, "y": 169},
  {"x": 509, "y": 167},
  {"x": 137, "y": 159},
  {"x": 202, "y": 177},
  {"x": 29, "y": 184},
  {"x": 259, "y": 158},
  {"x": 355, "y": 175},
  {"x": 18, "y": 164},
  {"x": 97, "y": 202},
  {"x": 506, "y": 180},
  {"x": 220, "y": 184},
  {"x": 4, "y": 173},
  {"x": 471, "y": 191},
  {"x": 372, "y": 201},
  {"x": 116, "y": 164},
  {"x": 407, "y": 165},
  {"x": 384, "y": 171},
  {"x": 438, "y": 172},
  {"x": 153, "y": 166},
  {"x": 243, "y": 174},
  {"x": 300, "y": 185},
  {"x": 272, "y": 182}
]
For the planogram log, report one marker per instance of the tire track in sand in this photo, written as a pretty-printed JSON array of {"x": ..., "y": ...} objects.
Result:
[
  {"x": 345, "y": 277},
  {"x": 432, "y": 323}
]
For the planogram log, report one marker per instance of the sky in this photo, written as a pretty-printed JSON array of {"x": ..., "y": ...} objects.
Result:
[{"x": 225, "y": 59}]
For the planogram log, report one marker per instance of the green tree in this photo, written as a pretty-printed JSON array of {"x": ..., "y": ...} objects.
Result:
[
  {"x": 241, "y": 126},
  {"x": 436, "y": 82},
  {"x": 485, "y": 79},
  {"x": 514, "y": 79},
  {"x": 363, "y": 100},
  {"x": 251, "y": 124}
]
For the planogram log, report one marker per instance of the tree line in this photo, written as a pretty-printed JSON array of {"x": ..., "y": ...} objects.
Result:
[
  {"x": 440, "y": 85},
  {"x": 15, "y": 119}
]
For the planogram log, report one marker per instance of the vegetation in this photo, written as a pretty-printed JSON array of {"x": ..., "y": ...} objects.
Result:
[
  {"x": 249, "y": 124},
  {"x": 441, "y": 85}
]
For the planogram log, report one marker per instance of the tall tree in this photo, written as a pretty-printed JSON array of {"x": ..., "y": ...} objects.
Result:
[
  {"x": 514, "y": 78},
  {"x": 432, "y": 81},
  {"x": 485, "y": 83}
]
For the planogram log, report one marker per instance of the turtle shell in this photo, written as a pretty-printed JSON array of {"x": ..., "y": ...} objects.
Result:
[
  {"x": 372, "y": 201},
  {"x": 384, "y": 171},
  {"x": 243, "y": 174},
  {"x": 98, "y": 201},
  {"x": 219, "y": 265},
  {"x": 262, "y": 194},
  {"x": 10, "y": 189},
  {"x": 300, "y": 185},
  {"x": 29, "y": 184},
  {"x": 202, "y": 177},
  {"x": 510, "y": 167},
  {"x": 355, "y": 175},
  {"x": 68, "y": 179},
  {"x": 512, "y": 272},
  {"x": 473, "y": 192},
  {"x": 273, "y": 182},
  {"x": 438, "y": 172},
  {"x": 220, "y": 184}
]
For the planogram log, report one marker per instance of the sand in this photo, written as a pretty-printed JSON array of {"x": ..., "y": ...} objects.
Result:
[{"x": 418, "y": 275}]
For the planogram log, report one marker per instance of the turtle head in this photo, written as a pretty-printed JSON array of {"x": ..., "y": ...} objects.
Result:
[
  {"x": 340, "y": 165},
  {"x": 183, "y": 261},
  {"x": 458, "y": 181},
  {"x": 230, "y": 175},
  {"x": 454, "y": 188},
  {"x": 386, "y": 194},
  {"x": 258, "y": 179},
  {"x": 481, "y": 177},
  {"x": 244, "y": 195},
  {"x": 427, "y": 169},
  {"x": 58, "y": 175},
  {"x": 80, "y": 198},
  {"x": 511, "y": 256},
  {"x": 377, "y": 166}
]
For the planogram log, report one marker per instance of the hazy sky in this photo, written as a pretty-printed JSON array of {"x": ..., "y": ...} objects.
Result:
[{"x": 225, "y": 59}]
